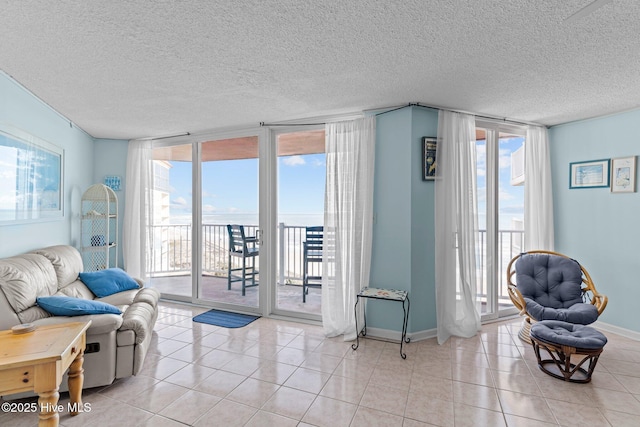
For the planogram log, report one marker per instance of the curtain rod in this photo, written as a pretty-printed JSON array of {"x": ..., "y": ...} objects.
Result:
[
  {"x": 479, "y": 116},
  {"x": 263, "y": 124},
  {"x": 174, "y": 136},
  {"x": 415, "y": 104},
  {"x": 156, "y": 138}
]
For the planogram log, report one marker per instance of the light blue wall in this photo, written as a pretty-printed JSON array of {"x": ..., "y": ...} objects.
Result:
[
  {"x": 402, "y": 254},
  {"x": 20, "y": 109},
  {"x": 423, "y": 282},
  {"x": 597, "y": 227},
  {"x": 110, "y": 158}
]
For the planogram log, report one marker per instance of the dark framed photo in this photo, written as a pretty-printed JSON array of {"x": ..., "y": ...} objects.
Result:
[
  {"x": 590, "y": 174},
  {"x": 429, "y": 147}
]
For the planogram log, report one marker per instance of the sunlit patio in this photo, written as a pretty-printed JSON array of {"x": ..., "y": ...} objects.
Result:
[{"x": 214, "y": 288}]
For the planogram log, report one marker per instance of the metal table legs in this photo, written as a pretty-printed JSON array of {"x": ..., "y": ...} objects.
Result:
[{"x": 405, "y": 321}]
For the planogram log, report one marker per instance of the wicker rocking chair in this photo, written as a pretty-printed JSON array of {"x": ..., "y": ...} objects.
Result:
[{"x": 546, "y": 285}]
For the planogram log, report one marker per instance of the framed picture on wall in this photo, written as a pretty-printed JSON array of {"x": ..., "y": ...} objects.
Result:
[
  {"x": 589, "y": 174},
  {"x": 429, "y": 146},
  {"x": 623, "y": 175},
  {"x": 32, "y": 187}
]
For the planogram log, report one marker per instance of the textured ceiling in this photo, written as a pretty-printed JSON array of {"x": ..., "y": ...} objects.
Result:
[{"x": 128, "y": 69}]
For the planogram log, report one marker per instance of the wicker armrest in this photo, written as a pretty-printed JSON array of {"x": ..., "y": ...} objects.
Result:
[
  {"x": 517, "y": 299},
  {"x": 600, "y": 301}
]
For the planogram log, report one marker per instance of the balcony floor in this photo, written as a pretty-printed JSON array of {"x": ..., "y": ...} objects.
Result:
[{"x": 214, "y": 288}]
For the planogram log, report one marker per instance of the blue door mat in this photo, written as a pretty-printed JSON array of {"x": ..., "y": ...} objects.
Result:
[{"x": 225, "y": 319}]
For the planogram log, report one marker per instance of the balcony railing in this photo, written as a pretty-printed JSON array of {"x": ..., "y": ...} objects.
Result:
[{"x": 173, "y": 246}]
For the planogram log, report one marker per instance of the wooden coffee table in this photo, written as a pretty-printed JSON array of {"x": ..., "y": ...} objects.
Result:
[{"x": 37, "y": 360}]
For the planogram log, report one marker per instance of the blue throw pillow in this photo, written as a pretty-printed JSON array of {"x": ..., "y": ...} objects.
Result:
[
  {"x": 107, "y": 282},
  {"x": 69, "y": 306}
]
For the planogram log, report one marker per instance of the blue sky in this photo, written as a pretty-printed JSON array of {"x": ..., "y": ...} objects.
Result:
[
  {"x": 231, "y": 187},
  {"x": 510, "y": 198}
]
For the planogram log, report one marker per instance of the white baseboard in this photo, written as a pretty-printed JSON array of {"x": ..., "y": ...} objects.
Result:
[
  {"x": 627, "y": 333},
  {"x": 389, "y": 335}
]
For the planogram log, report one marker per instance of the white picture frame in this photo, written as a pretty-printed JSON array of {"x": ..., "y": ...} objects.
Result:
[{"x": 623, "y": 175}]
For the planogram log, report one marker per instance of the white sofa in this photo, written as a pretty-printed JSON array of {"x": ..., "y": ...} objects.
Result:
[{"x": 116, "y": 343}]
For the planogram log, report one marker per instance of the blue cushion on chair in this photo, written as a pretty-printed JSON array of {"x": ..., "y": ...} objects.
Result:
[
  {"x": 549, "y": 280},
  {"x": 69, "y": 306},
  {"x": 563, "y": 333},
  {"x": 581, "y": 313},
  {"x": 107, "y": 282}
]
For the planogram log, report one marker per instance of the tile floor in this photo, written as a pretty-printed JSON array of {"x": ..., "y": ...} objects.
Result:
[{"x": 278, "y": 373}]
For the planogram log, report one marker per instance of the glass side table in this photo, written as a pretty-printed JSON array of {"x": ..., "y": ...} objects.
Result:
[{"x": 388, "y": 295}]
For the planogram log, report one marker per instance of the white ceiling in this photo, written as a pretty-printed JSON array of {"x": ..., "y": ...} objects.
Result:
[{"x": 128, "y": 69}]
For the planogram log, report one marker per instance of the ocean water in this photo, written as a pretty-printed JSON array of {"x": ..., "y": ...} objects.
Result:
[{"x": 251, "y": 219}]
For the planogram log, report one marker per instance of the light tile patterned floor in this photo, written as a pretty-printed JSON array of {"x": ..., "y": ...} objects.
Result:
[{"x": 278, "y": 373}]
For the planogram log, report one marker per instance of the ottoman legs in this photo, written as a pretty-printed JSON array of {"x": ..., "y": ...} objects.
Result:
[{"x": 559, "y": 364}]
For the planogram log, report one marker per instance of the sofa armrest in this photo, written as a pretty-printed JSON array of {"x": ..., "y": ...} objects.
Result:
[
  {"x": 150, "y": 296},
  {"x": 138, "y": 318}
]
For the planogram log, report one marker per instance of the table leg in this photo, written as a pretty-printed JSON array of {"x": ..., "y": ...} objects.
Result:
[
  {"x": 76, "y": 381},
  {"x": 355, "y": 311},
  {"x": 405, "y": 322},
  {"x": 48, "y": 403}
]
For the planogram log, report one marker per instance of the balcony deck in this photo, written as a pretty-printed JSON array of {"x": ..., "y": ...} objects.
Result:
[{"x": 214, "y": 288}]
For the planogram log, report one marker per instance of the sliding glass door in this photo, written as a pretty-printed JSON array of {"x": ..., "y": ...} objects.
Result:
[
  {"x": 301, "y": 172},
  {"x": 203, "y": 189},
  {"x": 232, "y": 214},
  {"x": 170, "y": 260},
  {"x": 500, "y": 185},
  {"x": 229, "y": 244}
]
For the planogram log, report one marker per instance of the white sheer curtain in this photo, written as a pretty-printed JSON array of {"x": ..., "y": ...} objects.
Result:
[
  {"x": 456, "y": 227},
  {"x": 348, "y": 221},
  {"x": 138, "y": 209},
  {"x": 538, "y": 197}
]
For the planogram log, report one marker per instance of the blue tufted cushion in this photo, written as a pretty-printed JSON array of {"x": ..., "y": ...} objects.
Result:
[
  {"x": 581, "y": 313},
  {"x": 563, "y": 333},
  {"x": 549, "y": 280}
]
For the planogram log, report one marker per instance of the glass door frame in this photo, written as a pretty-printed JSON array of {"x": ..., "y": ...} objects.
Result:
[
  {"x": 492, "y": 141},
  {"x": 271, "y": 158},
  {"x": 265, "y": 255},
  {"x": 264, "y": 219},
  {"x": 173, "y": 142},
  {"x": 267, "y": 214}
]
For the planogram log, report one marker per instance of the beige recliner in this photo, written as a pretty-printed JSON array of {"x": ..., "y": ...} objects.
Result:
[{"x": 116, "y": 343}]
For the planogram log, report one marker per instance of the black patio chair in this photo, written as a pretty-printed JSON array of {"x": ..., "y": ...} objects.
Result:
[{"x": 246, "y": 248}]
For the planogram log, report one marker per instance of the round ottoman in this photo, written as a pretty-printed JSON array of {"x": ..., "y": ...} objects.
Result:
[{"x": 562, "y": 340}]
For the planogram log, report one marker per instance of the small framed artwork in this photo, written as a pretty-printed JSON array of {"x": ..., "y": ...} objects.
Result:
[
  {"x": 623, "y": 175},
  {"x": 429, "y": 146},
  {"x": 590, "y": 174},
  {"x": 113, "y": 182}
]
